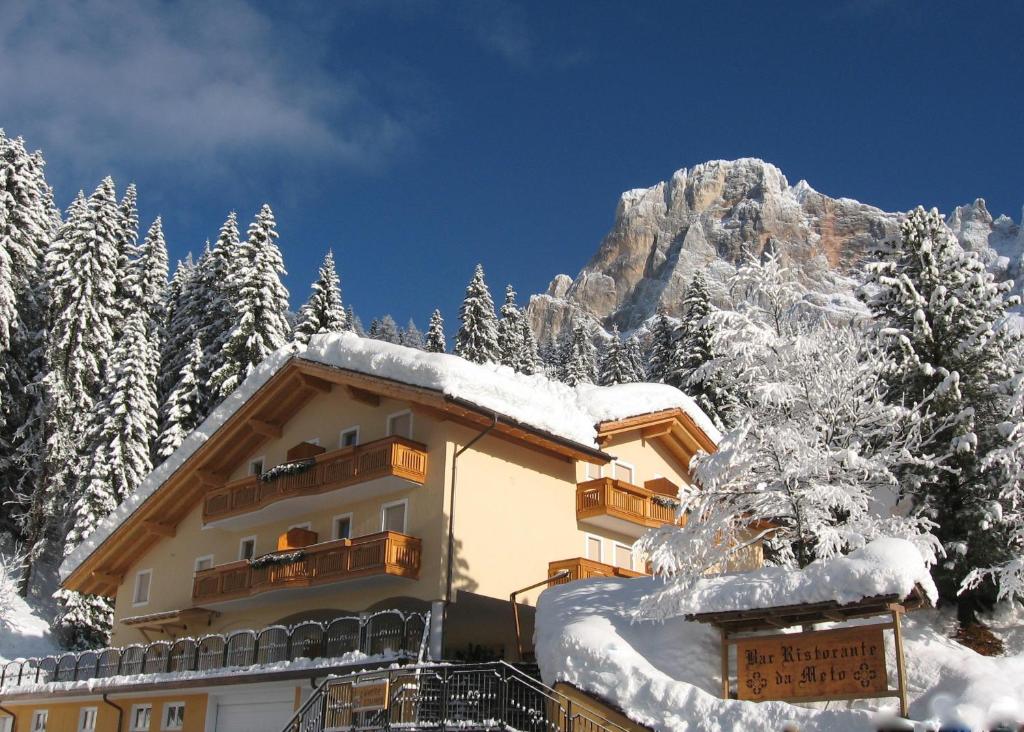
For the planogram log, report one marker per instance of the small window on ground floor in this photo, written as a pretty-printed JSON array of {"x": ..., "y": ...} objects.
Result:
[
  {"x": 39, "y": 717},
  {"x": 343, "y": 526},
  {"x": 141, "y": 714},
  {"x": 594, "y": 548},
  {"x": 393, "y": 517},
  {"x": 623, "y": 556},
  {"x": 174, "y": 716},
  {"x": 87, "y": 719}
]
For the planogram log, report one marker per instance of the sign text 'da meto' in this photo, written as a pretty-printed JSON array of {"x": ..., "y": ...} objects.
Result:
[{"x": 826, "y": 663}]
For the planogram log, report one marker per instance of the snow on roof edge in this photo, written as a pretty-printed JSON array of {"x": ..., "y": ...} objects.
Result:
[{"x": 571, "y": 413}]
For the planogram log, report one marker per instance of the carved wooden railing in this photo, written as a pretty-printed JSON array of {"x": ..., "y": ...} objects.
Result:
[
  {"x": 580, "y": 568},
  {"x": 609, "y": 497},
  {"x": 391, "y": 456},
  {"x": 386, "y": 553}
]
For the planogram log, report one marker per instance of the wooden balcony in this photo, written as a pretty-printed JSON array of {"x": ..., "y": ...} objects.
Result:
[
  {"x": 394, "y": 457},
  {"x": 580, "y": 568},
  {"x": 619, "y": 506},
  {"x": 386, "y": 553}
]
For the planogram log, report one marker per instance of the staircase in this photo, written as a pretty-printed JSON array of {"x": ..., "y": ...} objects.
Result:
[{"x": 467, "y": 698}]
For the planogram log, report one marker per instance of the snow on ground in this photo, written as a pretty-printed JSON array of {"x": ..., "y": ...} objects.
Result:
[
  {"x": 535, "y": 401},
  {"x": 885, "y": 566},
  {"x": 23, "y": 634},
  {"x": 666, "y": 673}
]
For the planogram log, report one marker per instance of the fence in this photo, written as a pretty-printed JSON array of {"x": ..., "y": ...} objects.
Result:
[{"x": 388, "y": 633}]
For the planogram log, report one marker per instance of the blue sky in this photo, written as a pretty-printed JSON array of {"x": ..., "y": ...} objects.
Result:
[{"x": 416, "y": 138}]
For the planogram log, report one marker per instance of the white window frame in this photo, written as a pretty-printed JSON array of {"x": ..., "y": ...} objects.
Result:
[
  {"x": 262, "y": 459},
  {"x": 402, "y": 413},
  {"x": 81, "y": 719},
  {"x": 149, "y": 588},
  {"x": 600, "y": 547},
  {"x": 38, "y": 714},
  {"x": 241, "y": 543},
  {"x": 167, "y": 708},
  {"x": 136, "y": 708},
  {"x": 198, "y": 560},
  {"x": 341, "y": 436},
  {"x": 334, "y": 525},
  {"x": 405, "y": 514},
  {"x": 628, "y": 466},
  {"x": 590, "y": 468},
  {"x": 632, "y": 559}
]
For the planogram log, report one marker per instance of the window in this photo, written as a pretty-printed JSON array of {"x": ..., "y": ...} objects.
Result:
[
  {"x": 256, "y": 466},
  {"x": 623, "y": 556},
  {"x": 591, "y": 471},
  {"x": 594, "y": 548},
  {"x": 623, "y": 472},
  {"x": 174, "y": 716},
  {"x": 393, "y": 517},
  {"x": 349, "y": 437},
  {"x": 400, "y": 424},
  {"x": 142, "y": 582},
  {"x": 343, "y": 526},
  {"x": 247, "y": 548},
  {"x": 205, "y": 562},
  {"x": 39, "y": 720},
  {"x": 140, "y": 717},
  {"x": 87, "y": 719}
]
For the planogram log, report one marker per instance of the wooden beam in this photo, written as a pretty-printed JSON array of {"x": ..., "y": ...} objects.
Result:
[
  {"x": 155, "y": 527},
  {"x": 267, "y": 429},
  {"x": 649, "y": 433},
  {"x": 314, "y": 383},
  {"x": 364, "y": 396},
  {"x": 106, "y": 579},
  {"x": 210, "y": 477}
]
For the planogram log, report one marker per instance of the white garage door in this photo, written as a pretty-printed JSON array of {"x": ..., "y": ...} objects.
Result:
[{"x": 253, "y": 716}]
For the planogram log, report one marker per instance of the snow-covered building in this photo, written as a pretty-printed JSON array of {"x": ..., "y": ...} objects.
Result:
[{"x": 351, "y": 476}]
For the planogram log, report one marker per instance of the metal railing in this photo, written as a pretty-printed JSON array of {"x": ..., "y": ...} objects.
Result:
[
  {"x": 388, "y": 633},
  {"x": 493, "y": 696}
]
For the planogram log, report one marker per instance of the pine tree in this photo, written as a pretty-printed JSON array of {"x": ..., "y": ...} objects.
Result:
[
  {"x": 215, "y": 296},
  {"x": 184, "y": 408},
  {"x": 385, "y": 329},
  {"x": 436, "y": 342},
  {"x": 615, "y": 366},
  {"x": 412, "y": 336},
  {"x": 692, "y": 368},
  {"x": 530, "y": 362},
  {"x": 179, "y": 323},
  {"x": 662, "y": 349},
  {"x": 477, "y": 339},
  {"x": 636, "y": 357},
  {"x": 510, "y": 332},
  {"x": 127, "y": 250},
  {"x": 323, "y": 311},
  {"x": 580, "y": 360},
  {"x": 352, "y": 322},
  {"x": 261, "y": 305},
  {"x": 942, "y": 331}
]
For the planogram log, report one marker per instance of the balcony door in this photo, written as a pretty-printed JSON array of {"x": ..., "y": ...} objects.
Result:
[{"x": 393, "y": 517}]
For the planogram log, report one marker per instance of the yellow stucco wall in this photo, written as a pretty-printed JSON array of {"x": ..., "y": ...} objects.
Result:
[{"x": 64, "y": 716}]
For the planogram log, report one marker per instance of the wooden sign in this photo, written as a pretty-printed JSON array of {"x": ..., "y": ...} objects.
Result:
[
  {"x": 849, "y": 662},
  {"x": 370, "y": 696}
]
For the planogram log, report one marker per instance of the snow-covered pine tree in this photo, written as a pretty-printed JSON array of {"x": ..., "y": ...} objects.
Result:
[
  {"x": 662, "y": 348},
  {"x": 412, "y": 336},
  {"x": 215, "y": 297},
  {"x": 530, "y": 362},
  {"x": 352, "y": 322},
  {"x": 323, "y": 311},
  {"x": 615, "y": 366},
  {"x": 184, "y": 408},
  {"x": 127, "y": 250},
  {"x": 477, "y": 339},
  {"x": 510, "y": 332},
  {"x": 436, "y": 342},
  {"x": 178, "y": 322},
  {"x": 580, "y": 360},
  {"x": 385, "y": 329},
  {"x": 147, "y": 278},
  {"x": 83, "y": 621},
  {"x": 261, "y": 305},
  {"x": 943, "y": 331},
  {"x": 635, "y": 352},
  {"x": 693, "y": 367}
]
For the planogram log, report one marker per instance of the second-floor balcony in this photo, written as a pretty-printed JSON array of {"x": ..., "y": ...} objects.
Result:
[
  {"x": 618, "y": 506},
  {"x": 374, "y": 469},
  {"x": 579, "y": 568},
  {"x": 387, "y": 553}
]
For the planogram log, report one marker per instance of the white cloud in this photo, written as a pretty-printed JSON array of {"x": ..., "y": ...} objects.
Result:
[{"x": 181, "y": 82}]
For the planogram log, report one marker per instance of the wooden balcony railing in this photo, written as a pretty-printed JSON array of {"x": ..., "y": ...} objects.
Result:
[
  {"x": 615, "y": 498},
  {"x": 386, "y": 553},
  {"x": 580, "y": 568},
  {"x": 392, "y": 456}
]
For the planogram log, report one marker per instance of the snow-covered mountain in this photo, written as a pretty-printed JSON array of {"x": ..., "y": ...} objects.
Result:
[{"x": 708, "y": 215}]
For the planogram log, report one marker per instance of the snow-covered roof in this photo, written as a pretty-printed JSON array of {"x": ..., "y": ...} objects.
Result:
[
  {"x": 536, "y": 402},
  {"x": 884, "y": 567}
]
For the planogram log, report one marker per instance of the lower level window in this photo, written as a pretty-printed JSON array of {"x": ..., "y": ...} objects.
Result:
[
  {"x": 174, "y": 716},
  {"x": 393, "y": 517},
  {"x": 87, "y": 719},
  {"x": 39, "y": 720},
  {"x": 623, "y": 556},
  {"x": 141, "y": 714}
]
